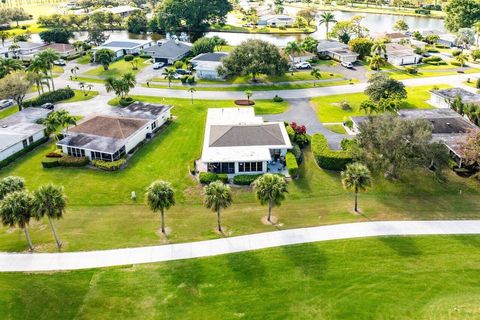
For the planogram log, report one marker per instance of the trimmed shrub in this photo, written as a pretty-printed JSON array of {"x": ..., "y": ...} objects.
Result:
[
  {"x": 292, "y": 164},
  {"x": 277, "y": 99},
  {"x": 347, "y": 144},
  {"x": 477, "y": 83},
  {"x": 109, "y": 165},
  {"x": 222, "y": 177},
  {"x": 50, "y": 97},
  {"x": 208, "y": 177},
  {"x": 178, "y": 64},
  {"x": 125, "y": 101},
  {"x": 145, "y": 56},
  {"x": 411, "y": 70},
  {"x": 297, "y": 152},
  {"x": 50, "y": 162},
  {"x": 20, "y": 153},
  {"x": 54, "y": 155},
  {"x": 129, "y": 58},
  {"x": 456, "y": 53},
  {"x": 69, "y": 161},
  {"x": 455, "y": 63},
  {"x": 327, "y": 158},
  {"x": 245, "y": 179}
]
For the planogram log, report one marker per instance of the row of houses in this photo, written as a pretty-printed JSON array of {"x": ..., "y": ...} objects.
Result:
[{"x": 27, "y": 50}]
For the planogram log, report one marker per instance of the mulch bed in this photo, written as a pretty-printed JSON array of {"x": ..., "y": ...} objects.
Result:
[{"x": 244, "y": 102}]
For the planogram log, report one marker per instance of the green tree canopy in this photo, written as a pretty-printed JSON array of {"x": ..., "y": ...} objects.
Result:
[
  {"x": 270, "y": 189},
  {"x": 362, "y": 46},
  {"x": 160, "y": 196},
  {"x": 137, "y": 22},
  {"x": 11, "y": 184},
  {"x": 218, "y": 196},
  {"x": 356, "y": 177},
  {"x": 461, "y": 14},
  {"x": 381, "y": 86},
  {"x": 57, "y": 35}
]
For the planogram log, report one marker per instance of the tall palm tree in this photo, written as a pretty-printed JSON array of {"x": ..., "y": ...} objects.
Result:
[
  {"x": 326, "y": 18},
  {"x": 316, "y": 74},
  {"x": 51, "y": 123},
  {"x": 14, "y": 49},
  {"x": 8, "y": 65},
  {"x": 38, "y": 67},
  {"x": 293, "y": 48},
  {"x": 11, "y": 184},
  {"x": 16, "y": 210},
  {"x": 356, "y": 177},
  {"x": 65, "y": 119},
  {"x": 249, "y": 94},
  {"x": 74, "y": 71},
  {"x": 130, "y": 81},
  {"x": 379, "y": 47},
  {"x": 192, "y": 91},
  {"x": 169, "y": 74},
  {"x": 160, "y": 196},
  {"x": 4, "y": 35},
  {"x": 49, "y": 56},
  {"x": 50, "y": 201},
  {"x": 218, "y": 196},
  {"x": 461, "y": 58},
  {"x": 270, "y": 189},
  {"x": 376, "y": 62}
]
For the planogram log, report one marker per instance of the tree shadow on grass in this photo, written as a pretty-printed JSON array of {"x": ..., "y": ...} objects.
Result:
[
  {"x": 308, "y": 258},
  {"x": 246, "y": 267},
  {"x": 403, "y": 246}
]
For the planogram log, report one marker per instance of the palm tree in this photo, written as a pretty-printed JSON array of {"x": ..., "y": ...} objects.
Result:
[
  {"x": 11, "y": 184},
  {"x": 169, "y": 74},
  {"x": 38, "y": 68},
  {"x": 65, "y": 119},
  {"x": 16, "y": 210},
  {"x": 50, "y": 201},
  {"x": 48, "y": 56},
  {"x": 85, "y": 87},
  {"x": 316, "y": 74},
  {"x": 14, "y": 49},
  {"x": 461, "y": 58},
  {"x": 379, "y": 47},
  {"x": 130, "y": 81},
  {"x": 8, "y": 65},
  {"x": 293, "y": 49},
  {"x": 192, "y": 91},
  {"x": 326, "y": 18},
  {"x": 51, "y": 123},
  {"x": 160, "y": 197},
  {"x": 270, "y": 189},
  {"x": 249, "y": 94},
  {"x": 4, "y": 35},
  {"x": 74, "y": 71},
  {"x": 104, "y": 57},
  {"x": 369, "y": 106},
  {"x": 218, "y": 196},
  {"x": 376, "y": 62},
  {"x": 356, "y": 177}
]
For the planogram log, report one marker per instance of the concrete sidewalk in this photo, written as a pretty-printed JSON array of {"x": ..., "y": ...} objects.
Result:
[{"x": 95, "y": 259}]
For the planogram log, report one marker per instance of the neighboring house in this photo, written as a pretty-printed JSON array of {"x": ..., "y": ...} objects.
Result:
[
  {"x": 20, "y": 130},
  {"x": 448, "y": 127},
  {"x": 277, "y": 20},
  {"x": 336, "y": 50},
  {"x": 123, "y": 11},
  {"x": 446, "y": 39},
  {"x": 238, "y": 142},
  {"x": 124, "y": 47},
  {"x": 401, "y": 55},
  {"x": 394, "y": 37},
  {"x": 113, "y": 136},
  {"x": 302, "y": 57},
  {"x": 418, "y": 44},
  {"x": 27, "y": 49},
  {"x": 63, "y": 49},
  {"x": 206, "y": 65},
  {"x": 169, "y": 51},
  {"x": 443, "y": 98}
]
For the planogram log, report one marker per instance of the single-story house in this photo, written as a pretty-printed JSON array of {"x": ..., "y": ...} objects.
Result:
[
  {"x": 418, "y": 44},
  {"x": 400, "y": 55},
  {"x": 239, "y": 142},
  {"x": 206, "y": 65},
  {"x": 277, "y": 20},
  {"x": 302, "y": 57},
  {"x": 26, "y": 49},
  {"x": 20, "y": 130},
  {"x": 394, "y": 37},
  {"x": 123, "y": 11},
  {"x": 124, "y": 47},
  {"x": 445, "y": 39},
  {"x": 169, "y": 51},
  {"x": 112, "y": 136},
  {"x": 336, "y": 50},
  {"x": 63, "y": 49},
  {"x": 443, "y": 98}
]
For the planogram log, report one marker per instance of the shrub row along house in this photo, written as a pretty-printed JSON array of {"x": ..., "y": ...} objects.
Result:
[
  {"x": 238, "y": 142},
  {"x": 21, "y": 130},
  {"x": 113, "y": 136}
]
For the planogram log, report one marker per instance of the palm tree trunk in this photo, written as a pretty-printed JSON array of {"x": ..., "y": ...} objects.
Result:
[
  {"x": 57, "y": 240},
  {"x": 356, "y": 200},
  {"x": 51, "y": 78},
  {"x": 27, "y": 235},
  {"x": 219, "y": 226},
  {"x": 269, "y": 212},
  {"x": 163, "y": 221}
]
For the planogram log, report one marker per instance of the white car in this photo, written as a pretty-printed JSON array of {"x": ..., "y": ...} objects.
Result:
[
  {"x": 158, "y": 65},
  {"x": 348, "y": 65},
  {"x": 303, "y": 65},
  {"x": 59, "y": 62},
  {"x": 6, "y": 103}
]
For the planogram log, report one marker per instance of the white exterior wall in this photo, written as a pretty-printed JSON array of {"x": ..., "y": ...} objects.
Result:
[
  {"x": 19, "y": 146},
  {"x": 438, "y": 101},
  {"x": 413, "y": 59},
  {"x": 342, "y": 58},
  {"x": 208, "y": 74}
]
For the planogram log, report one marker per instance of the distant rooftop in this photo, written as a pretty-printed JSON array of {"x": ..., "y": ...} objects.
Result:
[
  {"x": 27, "y": 115},
  {"x": 142, "y": 110},
  {"x": 452, "y": 93},
  {"x": 169, "y": 49},
  {"x": 266, "y": 134},
  {"x": 127, "y": 44},
  {"x": 210, "y": 57}
]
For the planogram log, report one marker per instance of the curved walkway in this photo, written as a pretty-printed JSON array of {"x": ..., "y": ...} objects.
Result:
[{"x": 94, "y": 259}]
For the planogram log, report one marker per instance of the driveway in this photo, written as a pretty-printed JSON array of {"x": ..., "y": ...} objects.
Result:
[
  {"x": 301, "y": 111},
  {"x": 97, "y": 105}
]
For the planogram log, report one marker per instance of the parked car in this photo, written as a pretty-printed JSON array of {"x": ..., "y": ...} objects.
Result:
[
  {"x": 426, "y": 55},
  {"x": 59, "y": 62},
  {"x": 183, "y": 72},
  {"x": 6, "y": 103},
  {"x": 303, "y": 65},
  {"x": 48, "y": 106},
  {"x": 348, "y": 65},
  {"x": 158, "y": 65}
]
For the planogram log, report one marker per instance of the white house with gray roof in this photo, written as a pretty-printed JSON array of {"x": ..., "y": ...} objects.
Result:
[
  {"x": 206, "y": 65},
  {"x": 20, "y": 130},
  {"x": 169, "y": 51},
  {"x": 336, "y": 50},
  {"x": 124, "y": 47},
  {"x": 237, "y": 141},
  {"x": 443, "y": 98}
]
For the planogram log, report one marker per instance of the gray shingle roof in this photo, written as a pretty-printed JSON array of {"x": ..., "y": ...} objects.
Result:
[
  {"x": 169, "y": 49},
  {"x": 111, "y": 127},
  {"x": 246, "y": 135},
  {"x": 142, "y": 110},
  {"x": 123, "y": 44},
  {"x": 210, "y": 56},
  {"x": 92, "y": 142}
]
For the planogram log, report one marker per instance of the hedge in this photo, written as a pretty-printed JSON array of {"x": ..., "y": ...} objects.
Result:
[
  {"x": 68, "y": 161},
  {"x": 292, "y": 165},
  {"x": 50, "y": 162},
  {"x": 245, "y": 179},
  {"x": 109, "y": 165},
  {"x": 5, "y": 162},
  {"x": 50, "y": 97},
  {"x": 327, "y": 158},
  {"x": 208, "y": 177}
]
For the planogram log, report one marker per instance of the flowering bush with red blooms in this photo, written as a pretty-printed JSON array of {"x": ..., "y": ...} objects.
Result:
[{"x": 299, "y": 129}]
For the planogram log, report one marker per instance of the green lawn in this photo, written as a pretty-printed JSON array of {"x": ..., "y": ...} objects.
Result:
[
  {"x": 337, "y": 128},
  {"x": 329, "y": 107},
  {"x": 472, "y": 83},
  {"x": 84, "y": 59},
  {"x": 80, "y": 96},
  {"x": 116, "y": 69},
  {"x": 8, "y": 111},
  {"x": 101, "y": 215},
  {"x": 402, "y": 278},
  {"x": 429, "y": 71}
]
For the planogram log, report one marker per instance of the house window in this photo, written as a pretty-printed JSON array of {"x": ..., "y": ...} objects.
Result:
[
  {"x": 30, "y": 140},
  {"x": 154, "y": 125},
  {"x": 250, "y": 166},
  {"x": 221, "y": 167},
  {"x": 25, "y": 144},
  {"x": 120, "y": 153},
  {"x": 75, "y": 152}
]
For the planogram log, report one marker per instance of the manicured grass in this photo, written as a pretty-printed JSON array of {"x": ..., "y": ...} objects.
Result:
[
  {"x": 329, "y": 109},
  {"x": 337, "y": 128},
  {"x": 428, "y": 277},
  {"x": 8, "y": 111},
  {"x": 430, "y": 71},
  {"x": 84, "y": 59},
  {"x": 101, "y": 214},
  {"x": 472, "y": 83},
  {"x": 116, "y": 69},
  {"x": 80, "y": 96}
]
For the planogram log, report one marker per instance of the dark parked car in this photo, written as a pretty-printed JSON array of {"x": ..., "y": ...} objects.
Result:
[
  {"x": 48, "y": 106},
  {"x": 183, "y": 71}
]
